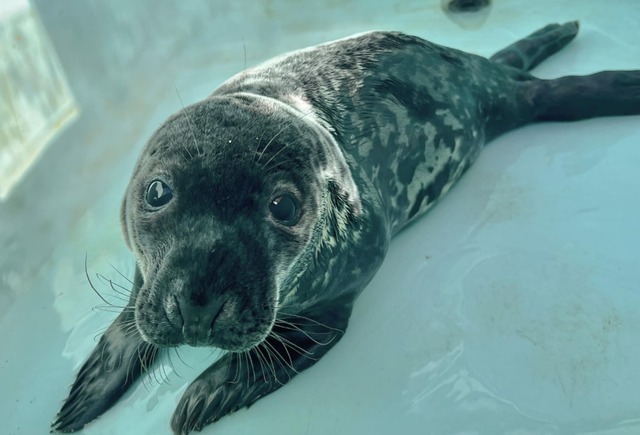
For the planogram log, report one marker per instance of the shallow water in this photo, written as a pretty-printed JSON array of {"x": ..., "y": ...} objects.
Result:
[{"x": 513, "y": 307}]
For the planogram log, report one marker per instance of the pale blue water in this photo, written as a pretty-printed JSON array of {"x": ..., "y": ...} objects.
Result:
[{"x": 513, "y": 307}]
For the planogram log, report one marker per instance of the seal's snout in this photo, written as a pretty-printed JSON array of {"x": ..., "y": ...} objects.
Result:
[
  {"x": 198, "y": 318},
  {"x": 218, "y": 293}
]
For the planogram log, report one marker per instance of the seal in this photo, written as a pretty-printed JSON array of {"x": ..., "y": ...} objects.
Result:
[{"x": 258, "y": 215}]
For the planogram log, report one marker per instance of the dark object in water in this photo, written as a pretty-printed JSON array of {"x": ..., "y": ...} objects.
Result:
[{"x": 467, "y": 5}]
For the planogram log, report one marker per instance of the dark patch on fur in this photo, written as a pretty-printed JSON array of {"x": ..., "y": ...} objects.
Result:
[
  {"x": 433, "y": 190},
  {"x": 408, "y": 95},
  {"x": 452, "y": 59}
]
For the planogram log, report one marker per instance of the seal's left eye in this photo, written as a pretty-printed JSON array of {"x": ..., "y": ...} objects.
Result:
[
  {"x": 284, "y": 208},
  {"x": 158, "y": 194}
]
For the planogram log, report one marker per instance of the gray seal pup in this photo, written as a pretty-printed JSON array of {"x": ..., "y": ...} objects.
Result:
[{"x": 258, "y": 215}]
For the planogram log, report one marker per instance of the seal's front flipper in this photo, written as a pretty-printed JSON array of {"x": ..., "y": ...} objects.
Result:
[
  {"x": 571, "y": 98},
  {"x": 237, "y": 380},
  {"x": 527, "y": 53},
  {"x": 115, "y": 363}
]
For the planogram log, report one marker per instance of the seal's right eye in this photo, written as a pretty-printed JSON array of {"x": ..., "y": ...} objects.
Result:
[
  {"x": 158, "y": 194},
  {"x": 284, "y": 208}
]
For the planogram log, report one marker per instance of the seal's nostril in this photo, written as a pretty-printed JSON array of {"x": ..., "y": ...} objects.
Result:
[
  {"x": 218, "y": 313},
  {"x": 175, "y": 299},
  {"x": 172, "y": 311},
  {"x": 198, "y": 319}
]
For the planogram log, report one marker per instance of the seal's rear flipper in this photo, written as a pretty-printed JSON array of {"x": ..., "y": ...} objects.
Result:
[
  {"x": 571, "y": 98},
  {"x": 530, "y": 51}
]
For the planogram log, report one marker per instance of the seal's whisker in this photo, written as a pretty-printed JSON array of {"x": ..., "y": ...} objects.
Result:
[
  {"x": 189, "y": 121},
  {"x": 111, "y": 309},
  {"x": 116, "y": 308},
  {"x": 149, "y": 348},
  {"x": 131, "y": 330},
  {"x": 173, "y": 367},
  {"x": 183, "y": 145},
  {"x": 102, "y": 329},
  {"x": 102, "y": 352},
  {"x": 122, "y": 275},
  {"x": 145, "y": 385},
  {"x": 127, "y": 324},
  {"x": 153, "y": 371},
  {"x": 243, "y": 356},
  {"x": 276, "y": 135},
  {"x": 160, "y": 367},
  {"x": 164, "y": 371},
  {"x": 290, "y": 364},
  {"x": 266, "y": 364},
  {"x": 314, "y": 321},
  {"x": 140, "y": 357},
  {"x": 236, "y": 378},
  {"x": 301, "y": 354},
  {"x": 156, "y": 370},
  {"x": 132, "y": 327},
  {"x": 276, "y": 154},
  {"x": 272, "y": 367},
  {"x": 262, "y": 368},
  {"x": 311, "y": 338},
  {"x": 278, "y": 164},
  {"x": 269, "y": 143},
  {"x": 253, "y": 369},
  {"x": 118, "y": 294},
  {"x": 293, "y": 327},
  {"x": 142, "y": 366},
  {"x": 258, "y": 147},
  {"x": 244, "y": 47},
  {"x": 238, "y": 366},
  {"x": 149, "y": 356},
  {"x": 275, "y": 356},
  {"x": 122, "y": 288},
  {"x": 183, "y": 362},
  {"x": 239, "y": 359},
  {"x": 246, "y": 357},
  {"x": 294, "y": 346},
  {"x": 86, "y": 272},
  {"x": 286, "y": 350},
  {"x": 120, "y": 360},
  {"x": 130, "y": 368}
]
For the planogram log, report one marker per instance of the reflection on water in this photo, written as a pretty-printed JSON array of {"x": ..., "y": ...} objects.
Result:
[{"x": 467, "y": 14}]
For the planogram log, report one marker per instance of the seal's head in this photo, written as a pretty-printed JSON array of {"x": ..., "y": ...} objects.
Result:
[{"x": 227, "y": 197}]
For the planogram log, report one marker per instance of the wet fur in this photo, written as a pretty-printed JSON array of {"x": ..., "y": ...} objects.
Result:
[{"x": 369, "y": 132}]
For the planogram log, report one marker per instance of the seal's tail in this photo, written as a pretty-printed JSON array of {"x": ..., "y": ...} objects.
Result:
[
  {"x": 530, "y": 51},
  {"x": 571, "y": 98}
]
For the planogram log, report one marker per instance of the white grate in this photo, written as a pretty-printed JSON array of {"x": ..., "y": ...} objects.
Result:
[{"x": 35, "y": 100}]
